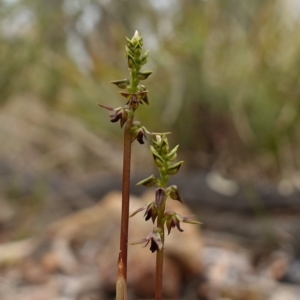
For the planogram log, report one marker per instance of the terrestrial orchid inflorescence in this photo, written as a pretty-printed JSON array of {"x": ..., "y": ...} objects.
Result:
[{"x": 136, "y": 94}]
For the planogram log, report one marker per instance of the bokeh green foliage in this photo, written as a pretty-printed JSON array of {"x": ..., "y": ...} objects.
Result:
[{"x": 225, "y": 81}]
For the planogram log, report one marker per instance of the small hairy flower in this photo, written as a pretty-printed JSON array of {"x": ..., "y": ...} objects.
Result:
[
  {"x": 120, "y": 114},
  {"x": 173, "y": 219},
  {"x": 154, "y": 237},
  {"x": 151, "y": 211},
  {"x": 138, "y": 132}
]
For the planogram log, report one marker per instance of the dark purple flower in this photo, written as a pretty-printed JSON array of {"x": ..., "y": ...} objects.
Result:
[
  {"x": 138, "y": 132},
  {"x": 154, "y": 237},
  {"x": 116, "y": 116},
  {"x": 140, "y": 137},
  {"x": 173, "y": 219},
  {"x": 120, "y": 114},
  {"x": 151, "y": 211}
]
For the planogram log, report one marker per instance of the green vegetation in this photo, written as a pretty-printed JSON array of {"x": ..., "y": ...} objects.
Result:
[{"x": 229, "y": 68}]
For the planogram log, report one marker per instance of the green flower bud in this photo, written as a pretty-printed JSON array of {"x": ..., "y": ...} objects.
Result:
[
  {"x": 150, "y": 181},
  {"x": 130, "y": 61},
  {"x": 164, "y": 146},
  {"x": 158, "y": 159},
  {"x": 129, "y": 51},
  {"x": 173, "y": 153},
  {"x": 153, "y": 149},
  {"x": 172, "y": 170},
  {"x": 129, "y": 44},
  {"x": 136, "y": 38},
  {"x": 141, "y": 42},
  {"x": 155, "y": 146},
  {"x": 122, "y": 84},
  {"x": 144, "y": 58},
  {"x": 142, "y": 75},
  {"x": 137, "y": 51}
]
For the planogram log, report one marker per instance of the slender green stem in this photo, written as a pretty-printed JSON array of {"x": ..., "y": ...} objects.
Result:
[{"x": 125, "y": 192}]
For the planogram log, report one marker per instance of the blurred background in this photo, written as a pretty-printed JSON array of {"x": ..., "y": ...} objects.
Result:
[{"x": 225, "y": 81}]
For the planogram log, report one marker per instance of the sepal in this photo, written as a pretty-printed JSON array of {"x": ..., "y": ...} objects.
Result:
[{"x": 160, "y": 197}]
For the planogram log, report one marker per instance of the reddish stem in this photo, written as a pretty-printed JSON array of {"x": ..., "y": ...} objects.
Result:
[{"x": 125, "y": 194}]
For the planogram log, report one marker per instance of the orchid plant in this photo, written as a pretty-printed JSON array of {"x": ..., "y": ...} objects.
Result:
[
  {"x": 136, "y": 94},
  {"x": 155, "y": 210}
]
